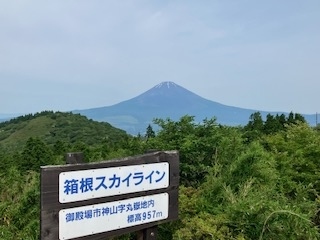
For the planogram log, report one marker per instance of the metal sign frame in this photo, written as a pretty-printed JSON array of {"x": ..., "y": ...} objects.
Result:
[{"x": 50, "y": 205}]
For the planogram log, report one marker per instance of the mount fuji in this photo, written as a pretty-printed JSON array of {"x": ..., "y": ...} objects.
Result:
[{"x": 168, "y": 100}]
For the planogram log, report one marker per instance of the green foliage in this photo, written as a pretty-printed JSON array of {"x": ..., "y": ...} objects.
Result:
[
  {"x": 261, "y": 181},
  {"x": 35, "y": 154},
  {"x": 205, "y": 226},
  {"x": 297, "y": 154},
  {"x": 254, "y": 164},
  {"x": 256, "y": 127},
  {"x": 253, "y": 210},
  {"x": 52, "y": 127},
  {"x": 19, "y": 205},
  {"x": 150, "y": 133},
  {"x": 197, "y": 144}
]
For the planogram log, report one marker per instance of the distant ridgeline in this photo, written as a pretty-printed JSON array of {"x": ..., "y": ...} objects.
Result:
[
  {"x": 165, "y": 100},
  {"x": 169, "y": 100}
]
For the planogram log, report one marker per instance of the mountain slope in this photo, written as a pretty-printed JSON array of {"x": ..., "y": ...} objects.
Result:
[
  {"x": 51, "y": 127},
  {"x": 167, "y": 100}
]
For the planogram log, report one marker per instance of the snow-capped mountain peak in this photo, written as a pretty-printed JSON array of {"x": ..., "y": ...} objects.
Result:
[{"x": 167, "y": 84}]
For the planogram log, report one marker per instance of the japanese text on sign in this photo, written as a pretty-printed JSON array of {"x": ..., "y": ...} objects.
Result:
[
  {"x": 95, "y": 183},
  {"x": 110, "y": 216}
]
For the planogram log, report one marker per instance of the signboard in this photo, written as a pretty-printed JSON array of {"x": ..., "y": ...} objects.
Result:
[
  {"x": 103, "y": 217},
  {"x": 95, "y": 183},
  {"x": 104, "y": 199}
]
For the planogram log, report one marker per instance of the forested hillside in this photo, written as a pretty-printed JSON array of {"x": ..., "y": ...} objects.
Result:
[
  {"x": 56, "y": 128},
  {"x": 260, "y": 181}
]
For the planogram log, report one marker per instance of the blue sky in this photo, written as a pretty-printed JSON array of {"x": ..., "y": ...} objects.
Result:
[{"x": 76, "y": 54}]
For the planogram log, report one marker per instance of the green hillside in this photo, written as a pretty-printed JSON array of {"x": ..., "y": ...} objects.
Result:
[
  {"x": 51, "y": 127},
  {"x": 257, "y": 182}
]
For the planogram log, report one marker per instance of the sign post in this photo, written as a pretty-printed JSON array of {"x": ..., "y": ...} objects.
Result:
[
  {"x": 148, "y": 233},
  {"x": 73, "y": 158},
  {"x": 104, "y": 199}
]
